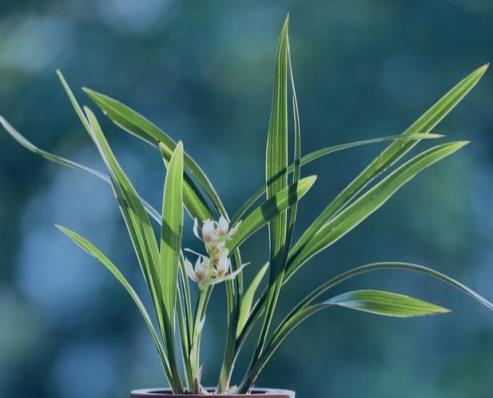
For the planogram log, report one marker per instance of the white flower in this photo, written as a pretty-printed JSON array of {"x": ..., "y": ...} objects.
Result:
[
  {"x": 214, "y": 231},
  {"x": 201, "y": 272},
  {"x": 217, "y": 252},
  {"x": 223, "y": 231},
  {"x": 209, "y": 231},
  {"x": 216, "y": 266},
  {"x": 223, "y": 266}
]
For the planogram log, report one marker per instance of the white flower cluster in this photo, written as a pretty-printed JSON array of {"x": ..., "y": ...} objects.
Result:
[{"x": 214, "y": 267}]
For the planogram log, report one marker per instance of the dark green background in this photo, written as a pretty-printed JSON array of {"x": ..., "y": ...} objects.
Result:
[{"x": 203, "y": 71}]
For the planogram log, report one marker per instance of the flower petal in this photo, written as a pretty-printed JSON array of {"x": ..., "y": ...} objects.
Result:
[
  {"x": 196, "y": 228},
  {"x": 189, "y": 269}
]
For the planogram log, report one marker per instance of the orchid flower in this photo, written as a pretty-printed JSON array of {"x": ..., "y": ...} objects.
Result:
[
  {"x": 214, "y": 231},
  {"x": 200, "y": 272},
  {"x": 216, "y": 266}
]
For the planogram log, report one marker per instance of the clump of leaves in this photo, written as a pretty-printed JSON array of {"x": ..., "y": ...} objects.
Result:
[{"x": 172, "y": 277}]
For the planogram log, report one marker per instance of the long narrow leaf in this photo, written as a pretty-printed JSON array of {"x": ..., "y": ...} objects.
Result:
[
  {"x": 269, "y": 209},
  {"x": 394, "y": 152},
  {"x": 138, "y": 225},
  {"x": 277, "y": 153},
  {"x": 373, "y": 301},
  {"x": 368, "y": 203},
  {"x": 248, "y": 297},
  {"x": 320, "y": 153},
  {"x": 137, "y": 125},
  {"x": 395, "y": 265},
  {"x": 67, "y": 162},
  {"x": 193, "y": 200},
  {"x": 95, "y": 252},
  {"x": 385, "y": 303},
  {"x": 171, "y": 232}
]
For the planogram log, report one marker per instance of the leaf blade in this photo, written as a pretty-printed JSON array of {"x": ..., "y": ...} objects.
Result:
[
  {"x": 19, "y": 138},
  {"x": 394, "y": 151},
  {"x": 368, "y": 203},
  {"x": 247, "y": 299},
  {"x": 113, "y": 269},
  {"x": 270, "y": 208},
  {"x": 385, "y": 303},
  {"x": 277, "y": 153},
  {"x": 137, "y": 125},
  {"x": 320, "y": 153},
  {"x": 171, "y": 232}
]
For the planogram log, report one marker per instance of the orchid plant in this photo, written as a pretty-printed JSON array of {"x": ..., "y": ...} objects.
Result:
[{"x": 177, "y": 276}]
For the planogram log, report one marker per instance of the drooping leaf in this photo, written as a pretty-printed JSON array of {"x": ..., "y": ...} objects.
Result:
[
  {"x": 95, "y": 252},
  {"x": 383, "y": 266},
  {"x": 270, "y": 208},
  {"x": 67, "y": 163},
  {"x": 368, "y": 203},
  {"x": 393, "y": 152},
  {"x": 385, "y": 303},
  {"x": 373, "y": 301}
]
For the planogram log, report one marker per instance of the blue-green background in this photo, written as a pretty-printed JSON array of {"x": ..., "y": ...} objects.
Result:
[{"x": 203, "y": 71}]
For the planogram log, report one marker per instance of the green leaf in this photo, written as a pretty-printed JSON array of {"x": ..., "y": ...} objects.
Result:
[
  {"x": 247, "y": 299},
  {"x": 393, "y": 152},
  {"x": 67, "y": 163},
  {"x": 171, "y": 232},
  {"x": 95, "y": 252},
  {"x": 277, "y": 153},
  {"x": 373, "y": 301},
  {"x": 383, "y": 266},
  {"x": 368, "y": 203},
  {"x": 305, "y": 308},
  {"x": 269, "y": 209},
  {"x": 138, "y": 224},
  {"x": 141, "y": 234},
  {"x": 320, "y": 153},
  {"x": 277, "y": 180},
  {"x": 192, "y": 198},
  {"x": 385, "y": 303},
  {"x": 139, "y": 126},
  {"x": 134, "y": 214},
  {"x": 293, "y": 211}
]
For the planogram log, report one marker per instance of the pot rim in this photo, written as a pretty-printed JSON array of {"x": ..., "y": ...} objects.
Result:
[{"x": 166, "y": 392}]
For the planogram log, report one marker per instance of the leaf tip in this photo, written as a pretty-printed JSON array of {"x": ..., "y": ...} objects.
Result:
[
  {"x": 461, "y": 144},
  {"x": 60, "y": 75},
  {"x": 485, "y": 67},
  {"x": 60, "y": 227},
  {"x": 311, "y": 179}
]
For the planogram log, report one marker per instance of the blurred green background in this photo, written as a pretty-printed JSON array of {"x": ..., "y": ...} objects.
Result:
[{"x": 203, "y": 70}]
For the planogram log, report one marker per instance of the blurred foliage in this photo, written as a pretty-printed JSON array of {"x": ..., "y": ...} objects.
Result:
[{"x": 203, "y": 72}]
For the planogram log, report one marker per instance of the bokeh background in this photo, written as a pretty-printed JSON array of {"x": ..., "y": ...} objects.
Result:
[{"x": 203, "y": 70}]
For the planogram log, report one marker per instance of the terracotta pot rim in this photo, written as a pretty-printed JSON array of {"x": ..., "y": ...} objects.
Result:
[{"x": 166, "y": 392}]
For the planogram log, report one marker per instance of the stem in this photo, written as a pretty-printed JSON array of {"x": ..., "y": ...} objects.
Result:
[
  {"x": 185, "y": 326},
  {"x": 233, "y": 300},
  {"x": 202, "y": 301}
]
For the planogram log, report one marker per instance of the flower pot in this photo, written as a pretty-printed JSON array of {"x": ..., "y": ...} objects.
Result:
[{"x": 262, "y": 392}]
